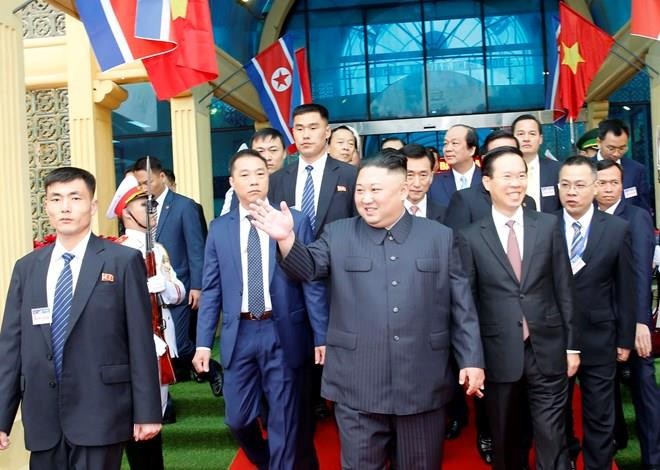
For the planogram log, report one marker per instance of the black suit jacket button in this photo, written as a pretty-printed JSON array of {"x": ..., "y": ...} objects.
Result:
[
  {"x": 49, "y": 357},
  {"x": 522, "y": 296},
  {"x": 520, "y": 323},
  {"x": 52, "y": 384}
]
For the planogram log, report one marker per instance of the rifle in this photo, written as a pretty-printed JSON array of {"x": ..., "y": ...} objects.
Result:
[{"x": 167, "y": 375}]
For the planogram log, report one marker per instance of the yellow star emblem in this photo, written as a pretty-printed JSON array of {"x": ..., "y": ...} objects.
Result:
[
  {"x": 572, "y": 56},
  {"x": 179, "y": 8}
]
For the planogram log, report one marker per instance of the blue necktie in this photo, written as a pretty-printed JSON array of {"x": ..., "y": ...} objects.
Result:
[
  {"x": 577, "y": 245},
  {"x": 464, "y": 184},
  {"x": 61, "y": 308},
  {"x": 256, "y": 303},
  {"x": 308, "y": 198}
]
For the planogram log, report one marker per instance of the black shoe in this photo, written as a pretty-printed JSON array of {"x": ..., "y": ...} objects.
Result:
[
  {"x": 453, "y": 429},
  {"x": 485, "y": 448},
  {"x": 216, "y": 378},
  {"x": 169, "y": 417}
]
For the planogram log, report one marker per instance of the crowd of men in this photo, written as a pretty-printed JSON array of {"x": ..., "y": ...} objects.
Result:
[{"x": 375, "y": 285}]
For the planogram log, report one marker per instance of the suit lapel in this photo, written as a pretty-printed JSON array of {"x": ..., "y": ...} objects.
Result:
[
  {"x": 489, "y": 234},
  {"x": 328, "y": 188},
  {"x": 164, "y": 212},
  {"x": 289, "y": 188},
  {"x": 449, "y": 183},
  {"x": 235, "y": 243},
  {"x": 40, "y": 275},
  {"x": 529, "y": 242},
  {"x": 476, "y": 177},
  {"x": 90, "y": 273},
  {"x": 596, "y": 230}
]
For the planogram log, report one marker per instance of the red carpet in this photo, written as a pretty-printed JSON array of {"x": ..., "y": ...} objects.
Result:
[{"x": 459, "y": 454}]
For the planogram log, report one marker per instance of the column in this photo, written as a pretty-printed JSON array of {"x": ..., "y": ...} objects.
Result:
[
  {"x": 90, "y": 121},
  {"x": 596, "y": 112},
  {"x": 191, "y": 148},
  {"x": 14, "y": 179},
  {"x": 653, "y": 60}
]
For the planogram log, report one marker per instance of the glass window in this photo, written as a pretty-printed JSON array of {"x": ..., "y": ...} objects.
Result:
[
  {"x": 337, "y": 65},
  {"x": 454, "y": 49},
  {"x": 141, "y": 113},
  {"x": 514, "y": 55},
  {"x": 396, "y": 62},
  {"x": 224, "y": 144},
  {"x": 223, "y": 115},
  {"x": 232, "y": 20},
  {"x": 129, "y": 149}
]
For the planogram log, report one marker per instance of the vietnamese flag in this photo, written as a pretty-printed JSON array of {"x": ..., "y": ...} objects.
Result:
[
  {"x": 193, "y": 61},
  {"x": 645, "y": 18},
  {"x": 583, "y": 49}
]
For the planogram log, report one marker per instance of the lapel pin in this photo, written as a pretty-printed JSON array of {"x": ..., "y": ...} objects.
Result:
[
  {"x": 107, "y": 277},
  {"x": 341, "y": 189}
]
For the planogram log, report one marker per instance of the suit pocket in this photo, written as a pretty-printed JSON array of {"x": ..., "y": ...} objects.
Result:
[
  {"x": 439, "y": 340},
  {"x": 428, "y": 265},
  {"x": 342, "y": 339},
  {"x": 599, "y": 316},
  {"x": 553, "y": 320},
  {"x": 357, "y": 264},
  {"x": 115, "y": 374}
]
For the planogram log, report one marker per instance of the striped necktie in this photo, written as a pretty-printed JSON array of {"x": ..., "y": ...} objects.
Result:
[
  {"x": 577, "y": 245},
  {"x": 61, "y": 309},
  {"x": 256, "y": 303},
  {"x": 414, "y": 210},
  {"x": 308, "y": 198}
]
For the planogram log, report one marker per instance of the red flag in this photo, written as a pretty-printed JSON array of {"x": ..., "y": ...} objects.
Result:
[
  {"x": 193, "y": 61},
  {"x": 583, "y": 49},
  {"x": 645, "y": 18},
  {"x": 303, "y": 71}
]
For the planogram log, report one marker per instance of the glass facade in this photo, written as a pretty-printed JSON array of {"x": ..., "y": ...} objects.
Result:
[{"x": 384, "y": 60}]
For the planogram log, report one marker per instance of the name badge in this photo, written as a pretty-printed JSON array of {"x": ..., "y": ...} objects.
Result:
[
  {"x": 547, "y": 191},
  {"x": 578, "y": 265},
  {"x": 630, "y": 192},
  {"x": 42, "y": 316}
]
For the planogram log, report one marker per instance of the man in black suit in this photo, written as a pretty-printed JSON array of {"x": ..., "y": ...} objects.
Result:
[
  {"x": 599, "y": 249},
  {"x": 420, "y": 176},
  {"x": 392, "y": 321},
  {"x": 645, "y": 392},
  {"x": 76, "y": 342},
  {"x": 543, "y": 173},
  {"x": 517, "y": 264}
]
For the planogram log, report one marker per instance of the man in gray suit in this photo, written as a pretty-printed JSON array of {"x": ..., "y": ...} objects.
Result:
[{"x": 399, "y": 302}]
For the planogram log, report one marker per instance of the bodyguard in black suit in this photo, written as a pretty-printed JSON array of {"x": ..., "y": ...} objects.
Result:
[
  {"x": 517, "y": 264},
  {"x": 599, "y": 249},
  {"x": 645, "y": 392},
  {"x": 543, "y": 173},
  {"x": 399, "y": 301},
  {"x": 420, "y": 165},
  {"x": 76, "y": 342}
]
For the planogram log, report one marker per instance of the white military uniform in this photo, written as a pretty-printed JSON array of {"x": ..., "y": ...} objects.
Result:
[{"x": 173, "y": 294}]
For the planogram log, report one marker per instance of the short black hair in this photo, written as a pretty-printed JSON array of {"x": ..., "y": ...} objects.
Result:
[
  {"x": 67, "y": 174},
  {"x": 526, "y": 117},
  {"x": 391, "y": 139},
  {"x": 154, "y": 163},
  {"x": 577, "y": 160},
  {"x": 343, "y": 128},
  {"x": 498, "y": 134},
  {"x": 488, "y": 160},
  {"x": 614, "y": 126},
  {"x": 170, "y": 175},
  {"x": 417, "y": 151},
  {"x": 242, "y": 154},
  {"x": 606, "y": 164},
  {"x": 471, "y": 137},
  {"x": 267, "y": 133},
  {"x": 390, "y": 159},
  {"x": 311, "y": 108}
]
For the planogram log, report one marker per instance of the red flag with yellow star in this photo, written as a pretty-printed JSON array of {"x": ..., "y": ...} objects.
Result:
[
  {"x": 193, "y": 61},
  {"x": 583, "y": 48}
]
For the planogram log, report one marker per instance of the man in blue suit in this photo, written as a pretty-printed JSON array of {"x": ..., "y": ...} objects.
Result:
[
  {"x": 613, "y": 135},
  {"x": 266, "y": 335},
  {"x": 646, "y": 395},
  {"x": 460, "y": 147}
]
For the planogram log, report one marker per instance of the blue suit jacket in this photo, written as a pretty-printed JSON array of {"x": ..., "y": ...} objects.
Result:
[
  {"x": 295, "y": 304},
  {"x": 643, "y": 245},
  {"x": 179, "y": 231},
  {"x": 549, "y": 178},
  {"x": 444, "y": 186},
  {"x": 634, "y": 176}
]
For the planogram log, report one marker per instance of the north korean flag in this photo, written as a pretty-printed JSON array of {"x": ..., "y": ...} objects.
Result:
[{"x": 274, "y": 73}]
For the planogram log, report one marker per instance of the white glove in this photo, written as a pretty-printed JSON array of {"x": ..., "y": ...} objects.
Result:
[
  {"x": 161, "y": 346},
  {"x": 156, "y": 284}
]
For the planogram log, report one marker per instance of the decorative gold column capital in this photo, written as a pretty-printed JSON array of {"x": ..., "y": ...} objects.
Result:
[
  {"x": 108, "y": 94},
  {"x": 596, "y": 112}
]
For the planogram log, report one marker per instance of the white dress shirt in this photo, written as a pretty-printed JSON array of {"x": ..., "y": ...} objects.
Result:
[
  {"x": 264, "y": 242},
  {"x": 585, "y": 221},
  {"x": 57, "y": 264},
  {"x": 421, "y": 206},
  {"x": 317, "y": 178},
  {"x": 161, "y": 202},
  {"x": 612, "y": 208},
  {"x": 226, "y": 206},
  {"x": 502, "y": 228},
  {"x": 534, "y": 181},
  {"x": 468, "y": 177}
]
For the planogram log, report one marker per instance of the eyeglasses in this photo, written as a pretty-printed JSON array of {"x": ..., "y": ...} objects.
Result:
[
  {"x": 612, "y": 148},
  {"x": 578, "y": 186}
]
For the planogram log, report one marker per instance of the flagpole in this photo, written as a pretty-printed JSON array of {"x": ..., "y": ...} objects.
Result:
[
  {"x": 636, "y": 57},
  {"x": 215, "y": 87},
  {"x": 572, "y": 134}
]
